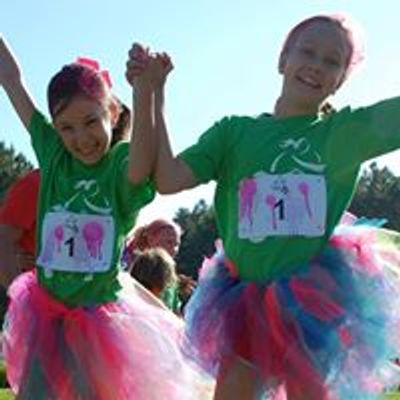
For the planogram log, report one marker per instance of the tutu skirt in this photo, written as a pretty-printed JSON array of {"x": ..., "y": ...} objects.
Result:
[
  {"x": 124, "y": 350},
  {"x": 329, "y": 330}
]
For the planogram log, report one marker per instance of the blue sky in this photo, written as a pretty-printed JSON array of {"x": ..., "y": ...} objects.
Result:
[{"x": 225, "y": 54}]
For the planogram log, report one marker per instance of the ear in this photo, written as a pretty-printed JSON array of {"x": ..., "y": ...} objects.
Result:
[
  {"x": 339, "y": 84},
  {"x": 114, "y": 112},
  {"x": 282, "y": 61}
]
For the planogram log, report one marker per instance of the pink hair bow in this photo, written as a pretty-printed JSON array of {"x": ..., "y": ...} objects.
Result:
[{"x": 91, "y": 63}]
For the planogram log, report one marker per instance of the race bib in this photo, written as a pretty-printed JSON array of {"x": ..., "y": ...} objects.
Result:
[
  {"x": 76, "y": 242},
  {"x": 282, "y": 205}
]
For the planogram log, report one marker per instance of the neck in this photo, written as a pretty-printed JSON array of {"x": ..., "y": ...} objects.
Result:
[{"x": 284, "y": 108}]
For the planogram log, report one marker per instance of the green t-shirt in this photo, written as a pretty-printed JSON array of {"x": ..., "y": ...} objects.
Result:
[
  {"x": 84, "y": 215},
  {"x": 283, "y": 184}
]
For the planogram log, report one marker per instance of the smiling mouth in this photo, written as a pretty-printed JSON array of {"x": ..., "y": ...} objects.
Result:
[
  {"x": 87, "y": 152},
  {"x": 311, "y": 83}
]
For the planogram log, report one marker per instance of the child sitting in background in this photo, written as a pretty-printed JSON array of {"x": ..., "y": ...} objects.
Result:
[{"x": 155, "y": 270}]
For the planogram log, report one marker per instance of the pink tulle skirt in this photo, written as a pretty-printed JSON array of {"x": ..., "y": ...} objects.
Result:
[{"x": 123, "y": 350}]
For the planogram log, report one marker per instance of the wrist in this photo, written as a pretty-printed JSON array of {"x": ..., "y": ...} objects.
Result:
[
  {"x": 159, "y": 94},
  {"x": 143, "y": 89}
]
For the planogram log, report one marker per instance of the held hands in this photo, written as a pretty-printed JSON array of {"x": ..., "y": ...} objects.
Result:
[
  {"x": 145, "y": 69},
  {"x": 9, "y": 68}
]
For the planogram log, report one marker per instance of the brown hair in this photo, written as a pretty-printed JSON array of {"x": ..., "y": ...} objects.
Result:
[
  {"x": 78, "y": 79},
  {"x": 154, "y": 269}
]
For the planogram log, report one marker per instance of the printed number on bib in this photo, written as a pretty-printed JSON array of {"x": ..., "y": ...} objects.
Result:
[{"x": 76, "y": 242}]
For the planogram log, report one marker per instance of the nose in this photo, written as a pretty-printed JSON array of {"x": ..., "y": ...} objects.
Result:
[
  {"x": 315, "y": 65},
  {"x": 83, "y": 138}
]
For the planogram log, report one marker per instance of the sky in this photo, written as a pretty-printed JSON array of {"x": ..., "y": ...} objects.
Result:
[{"x": 225, "y": 54}]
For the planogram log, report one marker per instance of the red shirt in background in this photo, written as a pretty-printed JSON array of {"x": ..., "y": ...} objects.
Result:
[{"x": 19, "y": 208}]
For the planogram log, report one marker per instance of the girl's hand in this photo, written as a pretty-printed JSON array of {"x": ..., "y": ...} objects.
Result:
[
  {"x": 156, "y": 71},
  {"x": 138, "y": 59},
  {"x": 145, "y": 69},
  {"x": 25, "y": 261},
  {"x": 167, "y": 66}
]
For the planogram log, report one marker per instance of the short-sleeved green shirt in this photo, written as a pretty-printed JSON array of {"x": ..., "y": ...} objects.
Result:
[
  {"x": 283, "y": 184},
  {"x": 84, "y": 215}
]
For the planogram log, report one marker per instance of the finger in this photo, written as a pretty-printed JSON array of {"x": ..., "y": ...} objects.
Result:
[
  {"x": 167, "y": 62},
  {"x": 137, "y": 48},
  {"x": 136, "y": 64},
  {"x": 139, "y": 52}
]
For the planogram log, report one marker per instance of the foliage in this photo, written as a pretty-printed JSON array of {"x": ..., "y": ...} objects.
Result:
[
  {"x": 378, "y": 195},
  {"x": 199, "y": 235},
  {"x": 12, "y": 165}
]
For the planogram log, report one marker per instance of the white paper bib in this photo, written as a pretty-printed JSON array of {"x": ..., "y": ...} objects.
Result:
[
  {"x": 282, "y": 205},
  {"x": 77, "y": 242}
]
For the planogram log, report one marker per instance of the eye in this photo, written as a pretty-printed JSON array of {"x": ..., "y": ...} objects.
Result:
[
  {"x": 307, "y": 51},
  {"x": 91, "y": 121},
  {"x": 65, "y": 128},
  {"x": 332, "y": 62}
]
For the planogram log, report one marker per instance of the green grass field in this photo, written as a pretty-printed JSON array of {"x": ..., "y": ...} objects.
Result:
[{"x": 5, "y": 394}]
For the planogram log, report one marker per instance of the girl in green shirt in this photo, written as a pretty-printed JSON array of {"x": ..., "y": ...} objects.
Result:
[{"x": 294, "y": 299}]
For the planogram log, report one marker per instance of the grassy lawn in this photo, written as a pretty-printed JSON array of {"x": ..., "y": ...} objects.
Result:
[{"x": 5, "y": 394}]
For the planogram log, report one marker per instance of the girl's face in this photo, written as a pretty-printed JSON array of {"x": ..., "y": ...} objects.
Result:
[
  {"x": 314, "y": 66},
  {"x": 85, "y": 127},
  {"x": 166, "y": 238}
]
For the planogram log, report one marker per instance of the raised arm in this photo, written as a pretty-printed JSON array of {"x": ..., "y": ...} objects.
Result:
[
  {"x": 172, "y": 174},
  {"x": 12, "y": 82},
  {"x": 142, "y": 149},
  {"x": 150, "y": 144}
]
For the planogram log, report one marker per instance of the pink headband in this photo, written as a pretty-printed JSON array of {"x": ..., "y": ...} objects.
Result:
[{"x": 93, "y": 64}]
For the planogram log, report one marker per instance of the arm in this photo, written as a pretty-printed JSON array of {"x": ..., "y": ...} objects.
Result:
[
  {"x": 172, "y": 174},
  {"x": 9, "y": 265},
  {"x": 142, "y": 147},
  {"x": 11, "y": 81}
]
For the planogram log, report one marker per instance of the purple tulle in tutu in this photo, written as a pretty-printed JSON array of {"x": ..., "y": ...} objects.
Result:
[
  {"x": 124, "y": 350},
  {"x": 327, "y": 331}
]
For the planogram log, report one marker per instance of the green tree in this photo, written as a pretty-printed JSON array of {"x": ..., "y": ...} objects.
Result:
[
  {"x": 378, "y": 196},
  {"x": 198, "y": 238},
  {"x": 12, "y": 165}
]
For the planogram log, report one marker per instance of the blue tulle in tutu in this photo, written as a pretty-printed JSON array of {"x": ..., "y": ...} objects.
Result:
[{"x": 329, "y": 331}]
